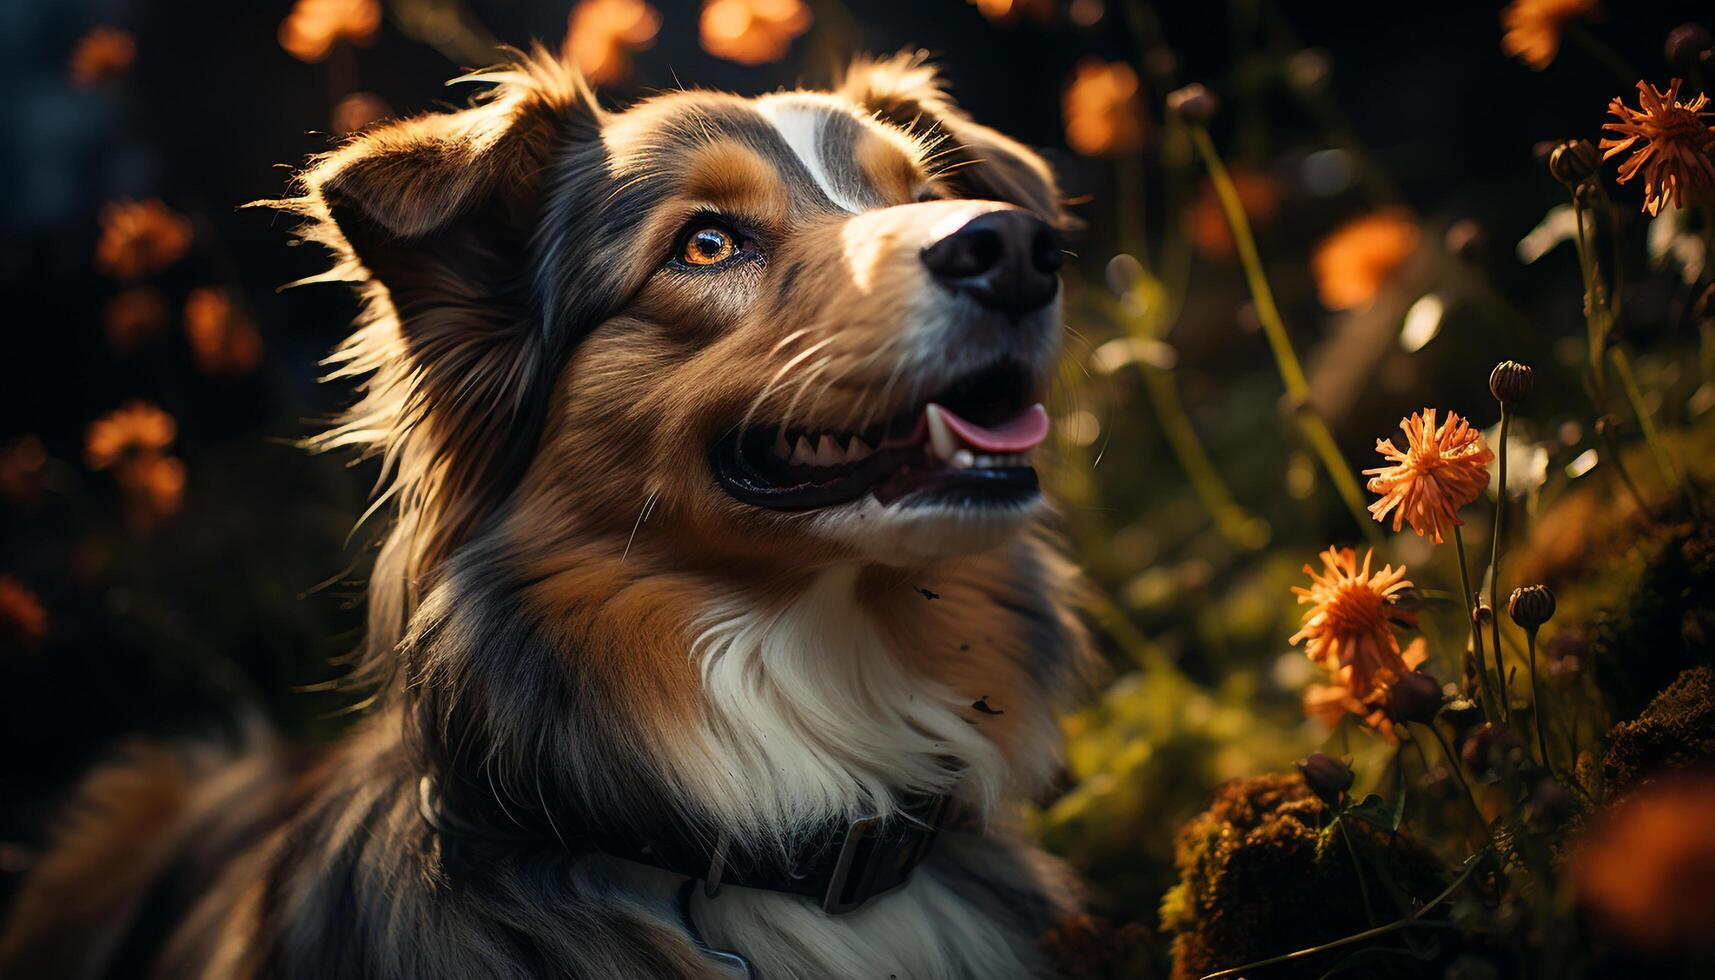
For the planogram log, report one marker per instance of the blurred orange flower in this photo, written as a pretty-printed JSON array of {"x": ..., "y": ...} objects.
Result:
[
  {"x": 1352, "y": 263},
  {"x": 133, "y": 316},
  {"x": 1008, "y": 11},
  {"x": 137, "y": 427},
  {"x": 1104, "y": 116},
  {"x": 600, "y": 35},
  {"x": 22, "y": 618},
  {"x": 104, "y": 53},
  {"x": 21, "y": 466},
  {"x": 1674, "y": 155},
  {"x": 1441, "y": 470},
  {"x": 132, "y": 442},
  {"x": 752, "y": 32},
  {"x": 313, "y": 27},
  {"x": 139, "y": 238},
  {"x": 1533, "y": 27},
  {"x": 1206, "y": 224},
  {"x": 223, "y": 340},
  {"x": 357, "y": 110},
  {"x": 1646, "y": 871},
  {"x": 154, "y": 486},
  {"x": 1349, "y": 627}
]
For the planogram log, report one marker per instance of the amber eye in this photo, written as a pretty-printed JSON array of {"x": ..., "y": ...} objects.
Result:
[{"x": 708, "y": 245}]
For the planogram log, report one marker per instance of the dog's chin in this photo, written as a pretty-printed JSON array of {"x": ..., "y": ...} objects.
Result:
[{"x": 927, "y": 527}]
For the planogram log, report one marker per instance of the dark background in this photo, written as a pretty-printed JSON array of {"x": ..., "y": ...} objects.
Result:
[{"x": 249, "y": 593}]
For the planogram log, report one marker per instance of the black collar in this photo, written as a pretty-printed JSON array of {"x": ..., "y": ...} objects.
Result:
[{"x": 841, "y": 866}]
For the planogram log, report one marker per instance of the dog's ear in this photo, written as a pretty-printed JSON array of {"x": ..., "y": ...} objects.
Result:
[
  {"x": 439, "y": 214},
  {"x": 982, "y": 162}
]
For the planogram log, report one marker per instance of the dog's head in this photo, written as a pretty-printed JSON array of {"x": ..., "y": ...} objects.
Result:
[{"x": 806, "y": 324}]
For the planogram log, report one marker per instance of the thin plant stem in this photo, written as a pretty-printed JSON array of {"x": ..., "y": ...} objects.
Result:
[
  {"x": 1483, "y": 692},
  {"x": 1613, "y": 447},
  {"x": 1471, "y": 865},
  {"x": 1315, "y": 427},
  {"x": 1358, "y": 869},
  {"x": 1596, "y": 48},
  {"x": 1536, "y": 702},
  {"x": 1495, "y": 546},
  {"x": 1646, "y": 421},
  {"x": 1453, "y": 766},
  {"x": 1233, "y": 521}
]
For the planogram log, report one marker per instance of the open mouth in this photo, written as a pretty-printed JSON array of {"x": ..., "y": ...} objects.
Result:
[{"x": 970, "y": 444}]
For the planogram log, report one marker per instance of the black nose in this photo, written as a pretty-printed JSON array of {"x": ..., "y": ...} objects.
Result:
[{"x": 1005, "y": 260}]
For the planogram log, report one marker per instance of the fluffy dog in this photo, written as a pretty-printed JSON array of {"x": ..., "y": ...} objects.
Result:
[{"x": 714, "y": 626}]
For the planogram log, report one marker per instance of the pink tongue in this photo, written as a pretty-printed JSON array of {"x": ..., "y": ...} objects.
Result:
[{"x": 1015, "y": 435}]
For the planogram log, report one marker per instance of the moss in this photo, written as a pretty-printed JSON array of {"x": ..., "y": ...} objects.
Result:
[
  {"x": 1677, "y": 730},
  {"x": 1663, "y": 625},
  {"x": 1259, "y": 878}
]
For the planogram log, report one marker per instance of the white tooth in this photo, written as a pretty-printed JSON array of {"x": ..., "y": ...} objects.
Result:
[
  {"x": 781, "y": 447},
  {"x": 803, "y": 455},
  {"x": 963, "y": 459},
  {"x": 858, "y": 450},
  {"x": 941, "y": 438},
  {"x": 828, "y": 453}
]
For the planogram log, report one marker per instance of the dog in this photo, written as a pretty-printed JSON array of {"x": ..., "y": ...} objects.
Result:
[{"x": 718, "y": 619}]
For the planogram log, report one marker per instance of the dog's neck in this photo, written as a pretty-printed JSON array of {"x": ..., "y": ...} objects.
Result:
[{"x": 613, "y": 687}]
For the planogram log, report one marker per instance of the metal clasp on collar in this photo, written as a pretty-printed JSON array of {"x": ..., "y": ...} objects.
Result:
[{"x": 834, "y": 901}]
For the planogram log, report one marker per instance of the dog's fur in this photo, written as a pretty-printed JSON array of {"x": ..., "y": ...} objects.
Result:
[{"x": 570, "y": 622}]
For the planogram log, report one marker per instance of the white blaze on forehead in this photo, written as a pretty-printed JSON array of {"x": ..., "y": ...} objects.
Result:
[{"x": 799, "y": 122}]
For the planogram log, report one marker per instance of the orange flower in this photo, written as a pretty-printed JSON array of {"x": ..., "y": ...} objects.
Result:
[
  {"x": 223, "y": 340},
  {"x": 1349, "y": 627},
  {"x": 1533, "y": 27},
  {"x": 139, "y": 238},
  {"x": 1646, "y": 871},
  {"x": 313, "y": 27},
  {"x": 22, "y": 618},
  {"x": 1674, "y": 155},
  {"x": 154, "y": 486},
  {"x": 600, "y": 34},
  {"x": 1441, "y": 470},
  {"x": 1009, "y": 11},
  {"x": 752, "y": 32},
  {"x": 1206, "y": 224},
  {"x": 21, "y": 466},
  {"x": 134, "y": 316},
  {"x": 138, "y": 427},
  {"x": 1103, "y": 115},
  {"x": 104, "y": 53},
  {"x": 1353, "y": 263}
]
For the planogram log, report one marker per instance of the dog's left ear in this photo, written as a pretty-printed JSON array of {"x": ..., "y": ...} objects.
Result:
[{"x": 981, "y": 162}]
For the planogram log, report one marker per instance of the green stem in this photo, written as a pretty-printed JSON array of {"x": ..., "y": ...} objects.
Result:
[
  {"x": 1236, "y": 524},
  {"x": 1471, "y": 864},
  {"x": 1646, "y": 421},
  {"x": 1483, "y": 692},
  {"x": 1315, "y": 427},
  {"x": 1613, "y": 446},
  {"x": 1494, "y": 567},
  {"x": 1536, "y": 702},
  {"x": 1596, "y": 48}
]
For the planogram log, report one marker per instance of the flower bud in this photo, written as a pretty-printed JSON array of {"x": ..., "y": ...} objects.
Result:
[
  {"x": 1531, "y": 606},
  {"x": 1327, "y": 777},
  {"x": 1687, "y": 45},
  {"x": 1573, "y": 162},
  {"x": 1194, "y": 104},
  {"x": 1510, "y": 382},
  {"x": 1415, "y": 696}
]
